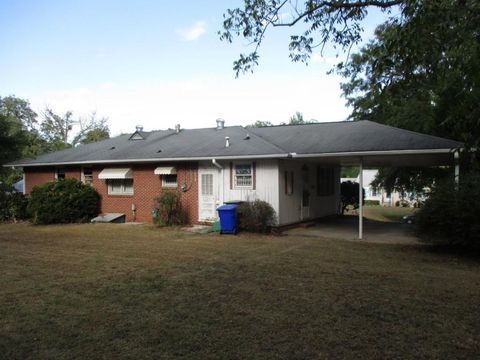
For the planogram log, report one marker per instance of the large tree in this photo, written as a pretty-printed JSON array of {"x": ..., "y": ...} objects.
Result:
[
  {"x": 18, "y": 134},
  {"x": 420, "y": 72},
  {"x": 23, "y": 136},
  {"x": 64, "y": 131},
  {"x": 91, "y": 129},
  {"x": 56, "y": 129}
]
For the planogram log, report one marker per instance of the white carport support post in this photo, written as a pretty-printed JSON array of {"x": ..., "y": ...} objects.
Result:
[
  {"x": 456, "y": 157},
  {"x": 360, "y": 202}
]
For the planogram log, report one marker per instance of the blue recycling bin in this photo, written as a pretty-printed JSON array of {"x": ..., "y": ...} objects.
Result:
[{"x": 228, "y": 218}]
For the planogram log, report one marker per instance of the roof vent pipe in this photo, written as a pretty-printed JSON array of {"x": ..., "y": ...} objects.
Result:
[
  {"x": 220, "y": 124},
  {"x": 227, "y": 141},
  {"x": 139, "y": 128},
  {"x": 177, "y": 128}
]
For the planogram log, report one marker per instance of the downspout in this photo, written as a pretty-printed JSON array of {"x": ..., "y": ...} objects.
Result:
[
  {"x": 220, "y": 180},
  {"x": 217, "y": 165}
]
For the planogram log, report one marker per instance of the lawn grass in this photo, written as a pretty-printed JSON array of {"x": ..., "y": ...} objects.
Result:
[
  {"x": 117, "y": 291},
  {"x": 387, "y": 213}
]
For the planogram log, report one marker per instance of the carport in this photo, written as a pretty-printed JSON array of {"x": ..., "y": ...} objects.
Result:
[
  {"x": 365, "y": 144},
  {"x": 446, "y": 157}
]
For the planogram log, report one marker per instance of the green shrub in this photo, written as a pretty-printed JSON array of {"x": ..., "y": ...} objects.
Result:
[
  {"x": 13, "y": 205},
  {"x": 257, "y": 216},
  {"x": 372, "y": 202},
  {"x": 451, "y": 216},
  {"x": 63, "y": 201},
  {"x": 169, "y": 210},
  {"x": 402, "y": 203},
  {"x": 349, "y": 195}
]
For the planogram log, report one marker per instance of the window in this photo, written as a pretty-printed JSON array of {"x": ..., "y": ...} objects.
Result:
[
  {"x": 289, "y": 182},
  {"x": 60, "y": 173},
  {"x": 243, "y": 176},
  {"x": 120, "y": 186},
  {"x": 87, "y": 176},
  {"x": 325, "y": 181},
  {"x": 207, "y": 184},
  {"x": 169, "y": 180}
]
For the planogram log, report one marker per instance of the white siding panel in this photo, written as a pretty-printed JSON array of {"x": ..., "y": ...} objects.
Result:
[
  {"x": 266, "y": 189},
  {"x": 290, "y": 206}
]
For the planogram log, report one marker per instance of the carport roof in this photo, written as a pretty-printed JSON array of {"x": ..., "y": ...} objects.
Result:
[
  {"x": 349, "y": 136},
  {"x": 351, "y": 139}
]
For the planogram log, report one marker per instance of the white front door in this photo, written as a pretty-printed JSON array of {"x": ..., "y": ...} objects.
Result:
[{"x": 207, "y": 198}]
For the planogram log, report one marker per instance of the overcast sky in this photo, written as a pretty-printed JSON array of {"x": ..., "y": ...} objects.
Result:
[{"x": 156, "y": 64}]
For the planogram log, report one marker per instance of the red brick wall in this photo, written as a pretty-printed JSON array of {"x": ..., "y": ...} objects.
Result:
[
  {"x": 188, "y": 176},
  {"x": 147, "y": 186},
  {"x": 73, "y": 173},
  {"x": 38, "y": 176}
]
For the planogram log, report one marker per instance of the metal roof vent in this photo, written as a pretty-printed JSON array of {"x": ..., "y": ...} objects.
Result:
[
  {"x": 220, "y": 124},
  {"x": 177, "y": 128},
  {"x": 139, "y": 128}
]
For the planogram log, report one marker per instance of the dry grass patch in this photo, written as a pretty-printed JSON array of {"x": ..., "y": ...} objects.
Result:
[{"x": 117, "y": 291}]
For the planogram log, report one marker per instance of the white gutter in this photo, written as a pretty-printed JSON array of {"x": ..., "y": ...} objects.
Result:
[
  {"x": 151, "y": 160},
  {"x": 239, "y": 157},
  {"x": 374, "y": 153}
]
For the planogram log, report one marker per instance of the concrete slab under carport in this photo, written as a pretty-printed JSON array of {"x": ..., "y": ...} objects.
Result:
[{"x": 346, "y": 228}]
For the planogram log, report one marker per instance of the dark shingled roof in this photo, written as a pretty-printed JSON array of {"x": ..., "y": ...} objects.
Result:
[
  {"x": 349, "y": 136},
  {"x": 274, "y": 141}
]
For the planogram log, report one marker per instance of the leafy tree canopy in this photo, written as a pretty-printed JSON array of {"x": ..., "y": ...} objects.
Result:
[
  {"x": 92, "y": 129},
  {"x": 18, "y": 137},
  {"x": 421, "y": 71},
  {"x": 260, "y": 123},
  {"x": 64, "y": 131},
  {"x": 297, "y": 119},
  {"x": 22, "y": 135},
  {"x": 321, "y": 22},
  {"x": 349, "y": 172}
]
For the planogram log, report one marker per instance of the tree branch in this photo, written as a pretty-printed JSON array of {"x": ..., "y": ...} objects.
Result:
[{"x": 335, "y": 5}]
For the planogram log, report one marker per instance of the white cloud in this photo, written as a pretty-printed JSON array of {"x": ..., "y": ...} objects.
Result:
[
  {"x": 197, "y": 103},
  {"x": 193, "y": 32}
]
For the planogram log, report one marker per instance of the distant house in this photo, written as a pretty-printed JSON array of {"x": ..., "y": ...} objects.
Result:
[
  {"x": 18, "y": 186},
  {"x": 373, "y": 194},
  {"x": 294, "y": 168}
]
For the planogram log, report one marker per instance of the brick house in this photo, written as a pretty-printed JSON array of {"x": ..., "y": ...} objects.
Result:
[{"x": 295, "y": 168}]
